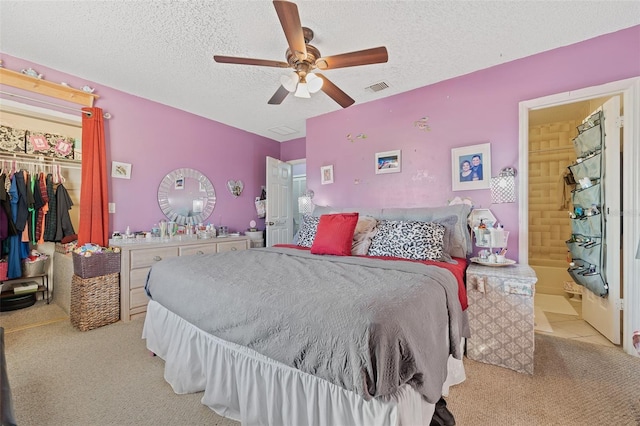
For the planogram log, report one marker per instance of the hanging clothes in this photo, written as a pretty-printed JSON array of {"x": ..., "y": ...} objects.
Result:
[
  {"x": 5, "y": 206},
  {"x": 17, "y": 249},
  {"x": 51, "y": 219},
  {"x": 42, "y": 184},
  {"x": 64, "y": 227}
]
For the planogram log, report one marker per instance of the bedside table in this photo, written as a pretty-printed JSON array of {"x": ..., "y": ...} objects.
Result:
[{"x": 501, "y": 315}]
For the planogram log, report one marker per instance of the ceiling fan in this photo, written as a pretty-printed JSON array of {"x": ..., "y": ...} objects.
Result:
[{"x": 305, "y": 58}]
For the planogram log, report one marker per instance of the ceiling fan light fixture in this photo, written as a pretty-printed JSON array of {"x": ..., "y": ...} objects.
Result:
[
  {"x": 289, "y": 81},
  {"x": 314, "y": 83},
  {"x": 302, "y": 91}
]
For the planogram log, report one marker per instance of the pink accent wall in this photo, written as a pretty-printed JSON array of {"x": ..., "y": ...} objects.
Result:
[
  {"x": 475, "y": 108},
  {"x": 294, "y": 149},
  {"x": 157, "y": 139}
]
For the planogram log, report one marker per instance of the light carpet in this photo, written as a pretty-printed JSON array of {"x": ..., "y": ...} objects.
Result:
[{"x": 61, "y": 376}]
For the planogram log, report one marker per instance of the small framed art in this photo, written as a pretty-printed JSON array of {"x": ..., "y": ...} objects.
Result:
[
  {"x": 471, "y": 167},
  {"x": 326, "y": 175},
  {"x": 388, "y": 162},
  {"x": 120, "y": 170}
]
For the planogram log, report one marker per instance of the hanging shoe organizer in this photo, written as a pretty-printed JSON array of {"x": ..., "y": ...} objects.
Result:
[{"x": 587, "y": 222}]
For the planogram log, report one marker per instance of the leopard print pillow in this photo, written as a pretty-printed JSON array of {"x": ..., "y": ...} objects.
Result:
[
  {"x": 308, "y": 229},
  {"x": 408, "y": 240}
]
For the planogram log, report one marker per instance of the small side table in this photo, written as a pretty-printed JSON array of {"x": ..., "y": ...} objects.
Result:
[{"x": 501, "y": 315}]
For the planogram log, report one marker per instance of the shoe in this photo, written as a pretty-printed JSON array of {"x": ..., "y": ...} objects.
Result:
[{"x": 442, "y": 416}]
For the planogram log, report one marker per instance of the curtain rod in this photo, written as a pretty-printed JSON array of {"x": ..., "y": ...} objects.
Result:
[{"x": 106, "y": 115}]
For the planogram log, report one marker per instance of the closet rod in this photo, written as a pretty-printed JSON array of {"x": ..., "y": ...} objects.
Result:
[
  {"x": 41, "y": 161},
  {"x": 564, "y": 148},
  {"x": 105, "y": 115}
]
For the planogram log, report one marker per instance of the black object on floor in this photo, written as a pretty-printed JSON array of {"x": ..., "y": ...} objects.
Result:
[
  {"x": 17, "y": 302},
  {"x": 442, "y": 416}
]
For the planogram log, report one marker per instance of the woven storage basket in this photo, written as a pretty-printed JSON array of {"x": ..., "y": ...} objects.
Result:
[
  {"x": 95, "y": 301},
  {"x": 96, "y": 265}
]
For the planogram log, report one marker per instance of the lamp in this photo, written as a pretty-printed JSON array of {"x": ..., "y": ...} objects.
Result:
[
  {"x": 305, "y": 203},
  {"x": 302, "y": 84},
  {"x": 503, "y": 186}
]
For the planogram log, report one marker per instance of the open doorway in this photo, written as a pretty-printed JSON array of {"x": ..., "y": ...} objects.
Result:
[
  {"x": 624, "y": 251},
  {"x": 299, "y": 187},
  {"x": 559, "y": 307}
]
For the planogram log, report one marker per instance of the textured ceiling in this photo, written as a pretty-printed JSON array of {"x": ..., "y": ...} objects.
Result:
[{"x": 162, "y": 50}]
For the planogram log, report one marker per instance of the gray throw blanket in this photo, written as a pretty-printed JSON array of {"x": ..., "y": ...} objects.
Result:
[{"x": 364, "y": 324}]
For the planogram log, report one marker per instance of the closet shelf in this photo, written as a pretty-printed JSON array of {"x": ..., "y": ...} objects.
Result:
[{"x": 44, "y": 87}]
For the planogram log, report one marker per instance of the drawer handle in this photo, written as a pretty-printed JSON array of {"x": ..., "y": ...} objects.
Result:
[
  {"x": 157, "y": 258},
  {"x": 199, "y": 252},
  {"x": 234, "y": 248}
]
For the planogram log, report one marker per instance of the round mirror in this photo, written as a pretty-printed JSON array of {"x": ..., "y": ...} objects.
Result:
[{"x": 186, "y": 196}]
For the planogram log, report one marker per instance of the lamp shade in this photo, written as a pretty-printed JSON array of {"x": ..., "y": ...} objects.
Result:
[
  {"x": 289, "y": 81},
  {"x": 305, "y": 205},
  {"x": 314, "y": 83},
  {"x": 302, "y": 91}
]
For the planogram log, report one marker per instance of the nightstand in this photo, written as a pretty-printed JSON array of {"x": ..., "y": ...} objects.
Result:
[{"x": 501, "y": 315}]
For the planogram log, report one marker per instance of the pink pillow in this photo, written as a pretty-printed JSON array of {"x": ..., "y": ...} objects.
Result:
[{"x": 335, "y": 234}]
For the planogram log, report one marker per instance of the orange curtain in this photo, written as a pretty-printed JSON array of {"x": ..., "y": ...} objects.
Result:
[{"x": 94, "y": 208}]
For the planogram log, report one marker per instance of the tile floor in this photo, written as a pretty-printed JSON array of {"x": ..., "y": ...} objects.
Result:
[{"x": 570, "y": 326}]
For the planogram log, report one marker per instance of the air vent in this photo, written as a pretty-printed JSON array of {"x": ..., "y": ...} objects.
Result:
[
  {"x": 376, "y": 87},
  {"x": 283, "y": 130}
]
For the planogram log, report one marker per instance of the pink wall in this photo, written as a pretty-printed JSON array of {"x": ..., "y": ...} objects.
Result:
[
  {"x": 157, "y": 139},
  {"x": 471, "y": 109},
  {"x": 294, "y": 149}
]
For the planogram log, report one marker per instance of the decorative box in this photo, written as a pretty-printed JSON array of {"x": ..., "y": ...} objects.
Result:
[{"x": 501, "y": 318}]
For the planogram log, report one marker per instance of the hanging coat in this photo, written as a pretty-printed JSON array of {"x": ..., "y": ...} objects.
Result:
[
  {"x": 51, "y": 219},
  {"x": 17, "y": 249},
  {"x": 64, "y": 226}
]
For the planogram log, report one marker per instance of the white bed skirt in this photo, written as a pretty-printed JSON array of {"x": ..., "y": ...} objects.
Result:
[{"x": 243, "y": 385}]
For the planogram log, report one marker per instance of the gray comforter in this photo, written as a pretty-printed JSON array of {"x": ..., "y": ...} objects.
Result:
[{"x": 364, "y": 324}]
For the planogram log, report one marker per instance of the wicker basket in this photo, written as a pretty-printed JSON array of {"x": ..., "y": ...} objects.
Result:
[
  {"x": 98, "y": 264},
  {"x": 95, "y": 301}
]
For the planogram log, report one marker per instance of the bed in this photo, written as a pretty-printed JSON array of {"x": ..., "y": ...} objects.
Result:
[{"x": 310, "y": 334}]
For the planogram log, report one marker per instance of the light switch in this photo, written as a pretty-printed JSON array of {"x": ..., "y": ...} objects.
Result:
[{"x": 112, "y": 207}]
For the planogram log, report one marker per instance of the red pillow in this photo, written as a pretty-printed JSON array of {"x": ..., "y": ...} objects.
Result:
[{"x": 335, "y": 234}]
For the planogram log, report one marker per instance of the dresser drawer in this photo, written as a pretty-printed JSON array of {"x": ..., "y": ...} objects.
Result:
[
  {"x": 138, "y": 297},
  {"x": 147, "y": 257},
  {"x": 138, "y": 277},
  {"x": 198, "y": 249},
  {"x": 232, "y": 246}
]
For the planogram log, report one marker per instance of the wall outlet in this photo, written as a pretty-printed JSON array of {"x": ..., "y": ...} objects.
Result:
[{"x": 112, "y": 207}]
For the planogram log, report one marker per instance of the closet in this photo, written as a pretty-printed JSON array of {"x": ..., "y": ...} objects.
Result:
[{"x": 20, "y": 121}]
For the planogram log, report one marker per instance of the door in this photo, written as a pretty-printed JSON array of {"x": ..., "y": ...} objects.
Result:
[
  {"x": 603, "y": 313},
  {"x": 279, "y": 219}
]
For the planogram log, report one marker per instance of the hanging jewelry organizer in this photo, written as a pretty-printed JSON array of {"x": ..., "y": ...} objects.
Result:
[{"x": 587, "y": 267}]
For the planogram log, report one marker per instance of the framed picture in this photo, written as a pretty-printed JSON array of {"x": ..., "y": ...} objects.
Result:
[
  {"x": 179, "y": 183},
  {"x": 388, "y": 162},
  {"x": 471, "y": 167},
  {"x": 120, "y": 170},
  {"x": 326, "y": 174}
]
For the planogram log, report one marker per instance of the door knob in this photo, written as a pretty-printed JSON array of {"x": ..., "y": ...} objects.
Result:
[{"x": 270, "y": 223}]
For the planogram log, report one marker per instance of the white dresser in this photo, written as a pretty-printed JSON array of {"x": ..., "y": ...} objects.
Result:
[{"x": 138, "y": 255}]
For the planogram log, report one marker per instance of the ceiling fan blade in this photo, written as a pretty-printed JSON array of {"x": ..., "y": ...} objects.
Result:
[
  {"x": 375, "y": 55},
  {"x": 334, "y": 92},
  {"x": 250, "y": 61},
  {"x": 290, "y": 21},
  {"x": 279, "y": 96}
]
